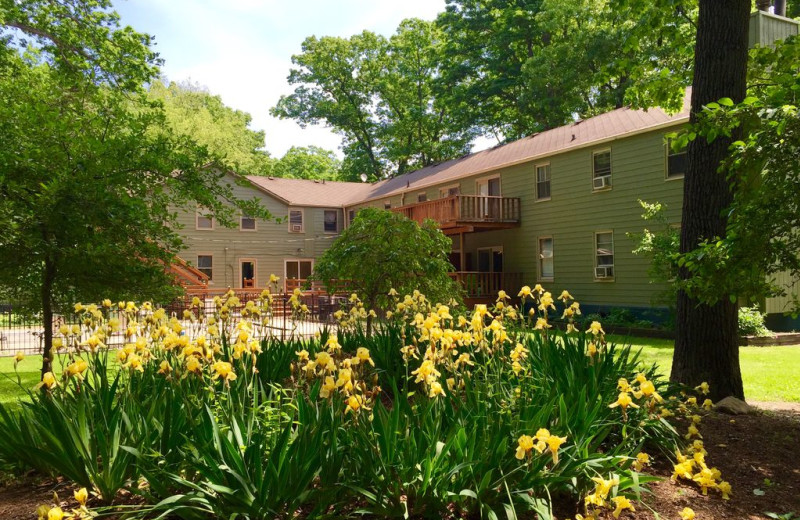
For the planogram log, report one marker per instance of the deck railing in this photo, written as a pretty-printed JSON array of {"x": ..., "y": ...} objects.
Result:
[
  {"x": 464, "y": 208},
  {"x": 478, "y": 284}
]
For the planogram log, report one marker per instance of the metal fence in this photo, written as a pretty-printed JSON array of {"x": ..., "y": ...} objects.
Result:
[{"x": 21, "y": 333}]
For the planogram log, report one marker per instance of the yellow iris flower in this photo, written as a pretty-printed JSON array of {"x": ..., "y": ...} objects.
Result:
[
  {"x": 48, "y": 380},
  {"x": 524, "y": 445},
  {"x": 81, "y": 495},
  {"x": 622, "y": 503},
  {"x": 223, "y": 370},
  {"x": 595, "y": 328},
  {"x": 624, "y": 401}
]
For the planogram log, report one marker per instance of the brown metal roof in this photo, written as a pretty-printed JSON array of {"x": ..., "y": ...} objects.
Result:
[
  {"x": 305, "y": 192},
  {"x": 595, "y": 130}
]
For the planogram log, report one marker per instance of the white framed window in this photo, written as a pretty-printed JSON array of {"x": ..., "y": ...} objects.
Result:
[
  {"x": 449, "y": 191},
  {"x": 543, "y": 181},
  {"x": 203, "y": 221},
  {"x": 387, "y": 204},
  {"x": 601, "y": 169},
  {"x": 604, "y": 255},
  {"x": 205, "y": 264},
  {"x": 545, "y": 258},
  {"x": 676, "y": 161},
  {"x": 247, "y": 223},
  {"x": 331, "y": 220},
  {"x": 422, "y": 197},
  {"x": 351, "y": 216},
  {"x": 296, "y": 221}
]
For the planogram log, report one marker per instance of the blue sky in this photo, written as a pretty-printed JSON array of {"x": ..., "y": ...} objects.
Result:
[{"x": 241, "y": 49}]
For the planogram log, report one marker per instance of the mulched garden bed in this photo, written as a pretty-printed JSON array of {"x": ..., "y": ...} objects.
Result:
[{"x": 756, "y": 453}]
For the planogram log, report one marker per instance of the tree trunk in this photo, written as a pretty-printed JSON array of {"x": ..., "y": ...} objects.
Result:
[
  {"x": 706, "y": 344},
  {"x": 48, "y": 276}
]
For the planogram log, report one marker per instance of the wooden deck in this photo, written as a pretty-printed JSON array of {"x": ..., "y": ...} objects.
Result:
[{"x": 466, "y": 213}]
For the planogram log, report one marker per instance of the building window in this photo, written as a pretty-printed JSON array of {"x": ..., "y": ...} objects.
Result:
[
  {"x": 543, "y": 182},
  {"x": 604, "y": 255},
  {"x": 205, "y": 264},
  {"x": 387, "y": 204},
  {"x": 247, "y": 223},
  {"x": 203, "y": 220},
  {"x": 351, "y": 215},
  {"x": 331, "y": 221},
  {"x": 601, "y": 170},
  {"x": 546, "y": 258},
  {"x": 295, "y": 220},
  {"x": 676, "y": 161},
  {"x": 450, "y": 191},
  {"x": 422, "y": 197}
]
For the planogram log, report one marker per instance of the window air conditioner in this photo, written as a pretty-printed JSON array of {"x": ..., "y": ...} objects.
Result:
[
  {"x": 602, "y": 182},
  {"x": 297, "y": 227},
  {"x": 604, "y": 272}
]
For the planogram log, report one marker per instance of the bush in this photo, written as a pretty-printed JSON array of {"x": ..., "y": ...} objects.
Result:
[
  {"x": 751, "y": 322},
  {"x": 432, "y": 415},
  {"x": 621, "y": 318}
]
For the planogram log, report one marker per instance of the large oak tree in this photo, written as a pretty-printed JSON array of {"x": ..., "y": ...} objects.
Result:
[
  {"x": 706, "y": 346},
  {"x": 90, "y": 175}
]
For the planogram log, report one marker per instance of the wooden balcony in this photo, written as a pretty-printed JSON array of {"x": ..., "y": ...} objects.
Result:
[
  {"x": 481, "y": 285},
  {"x": 466, "y": 213}
]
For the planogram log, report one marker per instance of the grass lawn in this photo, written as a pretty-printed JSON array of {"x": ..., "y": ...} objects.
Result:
[
  {"x": 769, "y": 373},
  {"x": 28, "y": 370}
]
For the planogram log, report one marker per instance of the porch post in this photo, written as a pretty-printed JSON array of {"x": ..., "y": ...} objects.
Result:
[{"x": 462, "y": 267}]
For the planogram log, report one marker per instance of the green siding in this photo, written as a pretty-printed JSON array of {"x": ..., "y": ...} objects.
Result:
[
  {"x": 269, "y": 245},
  {"x": 571, "y": 217}
]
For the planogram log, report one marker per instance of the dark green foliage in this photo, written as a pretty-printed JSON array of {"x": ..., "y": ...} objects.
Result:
[
  {"x": 380, "y": 95},
  {"x": 382, "y": 250},
  {"x": 520, "y": 67}
]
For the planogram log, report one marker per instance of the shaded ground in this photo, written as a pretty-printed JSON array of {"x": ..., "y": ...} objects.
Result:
[
  {"x": 755, "y": 453},
  {"x": 19, "y": 500}
]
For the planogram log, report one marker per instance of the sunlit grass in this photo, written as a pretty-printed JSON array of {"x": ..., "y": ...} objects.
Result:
[{"x": 768, "y": 373}]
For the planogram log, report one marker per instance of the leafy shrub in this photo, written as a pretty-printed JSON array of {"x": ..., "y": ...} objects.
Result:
[
  {"x": 751, "y": 322},
  {"x": 621, "y": 318}
]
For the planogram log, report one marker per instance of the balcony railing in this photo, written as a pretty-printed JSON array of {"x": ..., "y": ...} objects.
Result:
[
  {"x": 465, "y": 209},
  {"x": 478, "y": 284}
]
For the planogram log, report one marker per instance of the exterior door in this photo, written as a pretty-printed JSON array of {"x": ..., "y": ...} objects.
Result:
[
  {"x": 297, "y": 271},
  {"x": 489, "y": 206},
  {"x": 247, "y": 272}
]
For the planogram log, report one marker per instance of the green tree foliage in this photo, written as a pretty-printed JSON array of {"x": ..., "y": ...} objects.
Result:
[
  {"x": 90, "y": 176},
  {"x": 383, "y": 250},
  {"x": 79, "y": 37},
  {"x": 312, "y": 162},
  {"x": 660, "y": 244},
  {"x": 192, "y": 111},
  {"x": 763, "y": 172},
  {"x": 380, "y": 95},
  {"x": 520, "y": 67}
]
